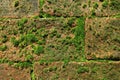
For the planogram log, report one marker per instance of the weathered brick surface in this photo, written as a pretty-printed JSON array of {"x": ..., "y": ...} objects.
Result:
[
  {"x": 57, "y": 36},
  {"x": 102, "y": 38},
  {"x": 47, "y": 46},
  {"x": 76, "y": 8},
  {"x": 81, "y": 7},
  {"x": 18, "y": 8},
  {"x": 9, "y": 73},
  {"x": 23, "y": 8},
  {"x": 78, "y": 71}
]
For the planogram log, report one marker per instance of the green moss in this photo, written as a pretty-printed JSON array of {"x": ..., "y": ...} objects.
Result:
[
  {"x": 117, "y": 39},
  {"x": 33, "y": 77},
  {"x": 4, "y": 38},
  {"x": 82, "y": 70},
  {"x": 89, "y": 2},
  {"x": 3, "y": 48},
  {"x": 4, "y": 60},
  {"x": 45, "y": 15},
  {"x": 70, "y": 21},
  {"x": 24, "y": 40},
  {"x": 54, "y": 68},
  {"x": 79, "y": 38},
  {"x": 41, "y": 3},
  {"x": 16, "y": 3},
  {"x": 41, "y": 42},
  {"x": 94, "y": 69},
  {"x": 105, "y": 4},
  {"x": 29, "y": 57},
  {"x": 38, "y": 49},
  {"x": 1, "y": 28},
  {"x": 79, "y": 33},
  {"x": 53, "y": 33},
  {"x": 44, "y": 61},
  {"x": 27, "y": 39},
  {"x": 93, "y": 13},
  {"x": 95, "y": 5},
  {"x": 58, "y": 35},
  {"x": 23, "y": 44},
  {"x": 50, "y": 69},
  {"x": 55, "y": 77},
  {"x": 84, "y": 6},
  {"x": 23, "y": 65},
  {"x": 15, "y": 32},
  {"x": 104, "y": 79},
  {"x": 22, "y": 22},
  {"x": 117, "y": 16},
  {"x": 66, "y": 61},
  {"x": 115, "y": 5},
  {"x": 14, "y": 42}
]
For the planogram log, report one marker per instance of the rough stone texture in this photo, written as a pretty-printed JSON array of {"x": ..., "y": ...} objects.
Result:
[
  {"x": 57, "y": 35},
  {"x": 78, "y": 71},
  {"x": 18, "y": 8},
  {"x": 47, "y": 46},
  {"x": 81, "y": 7},
  {"x": 102, "y": 38},
  {"x": 9, "y": 73},
  {"x": 63, "y": 7}
]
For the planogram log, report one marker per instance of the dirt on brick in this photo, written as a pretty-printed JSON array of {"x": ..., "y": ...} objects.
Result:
[
  {"x": 102, "y": 38},
  {"x": 18, "y": 9},
  {"x": 10, "y": 73},
  {"x": 78, "y": 71}
]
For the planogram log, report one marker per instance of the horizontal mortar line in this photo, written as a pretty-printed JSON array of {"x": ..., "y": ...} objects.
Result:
[
  {"x": 60, "y": 17},
  {"x": 103, "y": 59},
  {"x": 37, "y": 18},
  {"x": 90, "y": 61}
]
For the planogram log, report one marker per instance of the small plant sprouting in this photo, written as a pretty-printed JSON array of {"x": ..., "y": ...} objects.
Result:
[{"x": 38, "y": 49}]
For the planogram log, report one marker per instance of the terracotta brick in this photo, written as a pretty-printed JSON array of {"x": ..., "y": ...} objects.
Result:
[
  {"x": 102, "y": 38},
  {"x": 10, "y": 73},
  {"x": 78, "y": 71},
  {"x": 57, "y": 34},
  {"x": 79, "y": 8},
  {"x": 18, "y": 8}
]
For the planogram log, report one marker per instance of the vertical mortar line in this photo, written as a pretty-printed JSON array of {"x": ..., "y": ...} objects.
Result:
[{"x": 32, "y": 75}]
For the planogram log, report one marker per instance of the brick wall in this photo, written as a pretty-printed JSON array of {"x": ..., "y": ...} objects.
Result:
[{"x": 59, "y": 39}]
